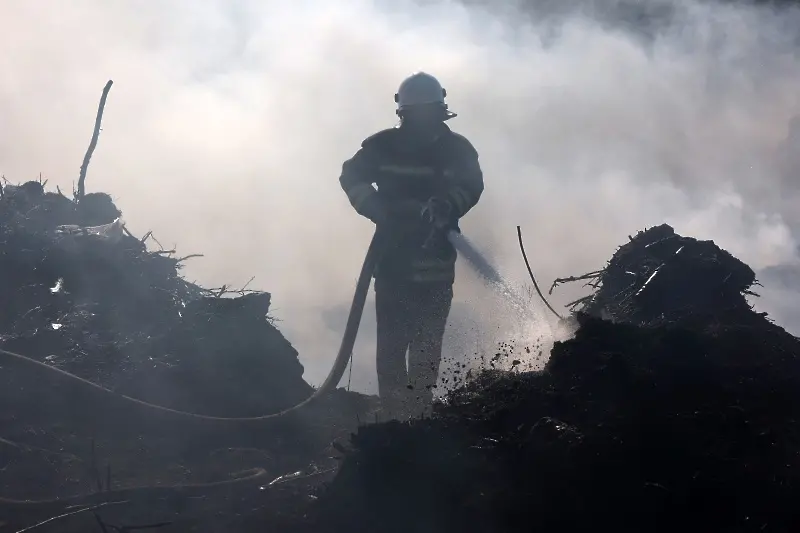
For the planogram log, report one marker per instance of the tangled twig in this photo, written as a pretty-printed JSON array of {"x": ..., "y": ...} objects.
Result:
[{"x": 589, "y": 275}]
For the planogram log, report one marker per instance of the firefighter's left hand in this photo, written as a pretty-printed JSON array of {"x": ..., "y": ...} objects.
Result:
[{"x": 437, "y": 211}]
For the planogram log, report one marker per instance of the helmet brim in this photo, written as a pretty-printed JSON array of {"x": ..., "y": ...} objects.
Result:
[{"x": 447, "y": 113}]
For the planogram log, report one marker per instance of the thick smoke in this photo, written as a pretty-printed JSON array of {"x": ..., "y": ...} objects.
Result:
[{"x": 228, "y": 122}]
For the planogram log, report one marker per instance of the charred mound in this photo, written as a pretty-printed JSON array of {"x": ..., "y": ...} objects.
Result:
[
  {"x": 660, "y": 277},
  {"x": 82, "y": 294},
  {"x": 97, "y": 303},
  {"x": 674, "y": 407}
]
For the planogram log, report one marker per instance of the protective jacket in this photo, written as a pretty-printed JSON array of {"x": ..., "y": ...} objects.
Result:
[{"x": 388, "y": 179}]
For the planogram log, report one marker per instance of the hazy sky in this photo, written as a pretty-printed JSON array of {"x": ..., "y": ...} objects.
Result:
[{"x": 228, "y": 121}]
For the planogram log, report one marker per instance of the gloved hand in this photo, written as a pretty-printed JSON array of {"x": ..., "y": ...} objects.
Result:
[{"x": 438, "y": 212}]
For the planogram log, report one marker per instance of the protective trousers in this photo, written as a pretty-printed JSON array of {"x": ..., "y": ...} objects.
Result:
[{"x": 411, "y": 320}]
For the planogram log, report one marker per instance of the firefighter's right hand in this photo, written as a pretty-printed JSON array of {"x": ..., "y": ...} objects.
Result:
[{"x": 437, "y": 212}]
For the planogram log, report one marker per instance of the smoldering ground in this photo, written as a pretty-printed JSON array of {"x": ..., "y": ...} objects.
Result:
[{"x": 228, "y": 122}]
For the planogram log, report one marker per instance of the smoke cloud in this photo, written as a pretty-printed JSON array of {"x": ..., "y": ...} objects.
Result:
[{"x": 228, "y": 122}]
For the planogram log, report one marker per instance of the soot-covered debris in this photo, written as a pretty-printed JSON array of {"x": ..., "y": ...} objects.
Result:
[
  {"x": 98, "y": 304},
  {"x": 680, "y": 414},
  {"x": 661, "y": 277},
  {"x": 82, "y": 294}
]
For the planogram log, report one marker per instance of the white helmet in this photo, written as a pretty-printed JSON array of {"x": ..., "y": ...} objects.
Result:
[{"x": 421, "y": 89}]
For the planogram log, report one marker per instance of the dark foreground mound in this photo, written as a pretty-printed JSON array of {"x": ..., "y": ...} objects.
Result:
[
  {"x": 679, "y": 415},
  {"x": 100, "y": 305},
  {"x": 83, "y": 295}
]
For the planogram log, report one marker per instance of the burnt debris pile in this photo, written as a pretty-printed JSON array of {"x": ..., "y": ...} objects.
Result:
[
  {"x": 660, "y": 277},
  {"x": 84, "y": 295},
  {"x": 674, "y": 407}
]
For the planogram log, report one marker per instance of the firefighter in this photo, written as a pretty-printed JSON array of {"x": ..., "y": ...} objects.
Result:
[{"x": 414, "y": 181}]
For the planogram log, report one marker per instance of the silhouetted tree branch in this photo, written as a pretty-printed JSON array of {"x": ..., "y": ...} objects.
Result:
[{"x": 93, "y": 143}]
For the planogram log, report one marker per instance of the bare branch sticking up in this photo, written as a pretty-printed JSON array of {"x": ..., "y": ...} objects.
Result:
[
  {"x": 533, "y": 279},
  {"x": 244, "y": 287},
  {"x": 93, "y": 143}
]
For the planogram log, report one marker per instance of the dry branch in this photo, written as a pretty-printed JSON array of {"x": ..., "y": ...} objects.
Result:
[
  {"x": 558, "y": 281},
  {"x": 190, "y": 256},
  {"x": 530, "y": 273},
  {"x": 71, "y": 513},
  {"x": 93, "y": 142},
  {"x": 244, "y": 287}
]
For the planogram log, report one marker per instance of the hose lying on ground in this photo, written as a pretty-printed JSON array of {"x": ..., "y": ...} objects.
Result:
[{"x": 334, "y": 376}]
